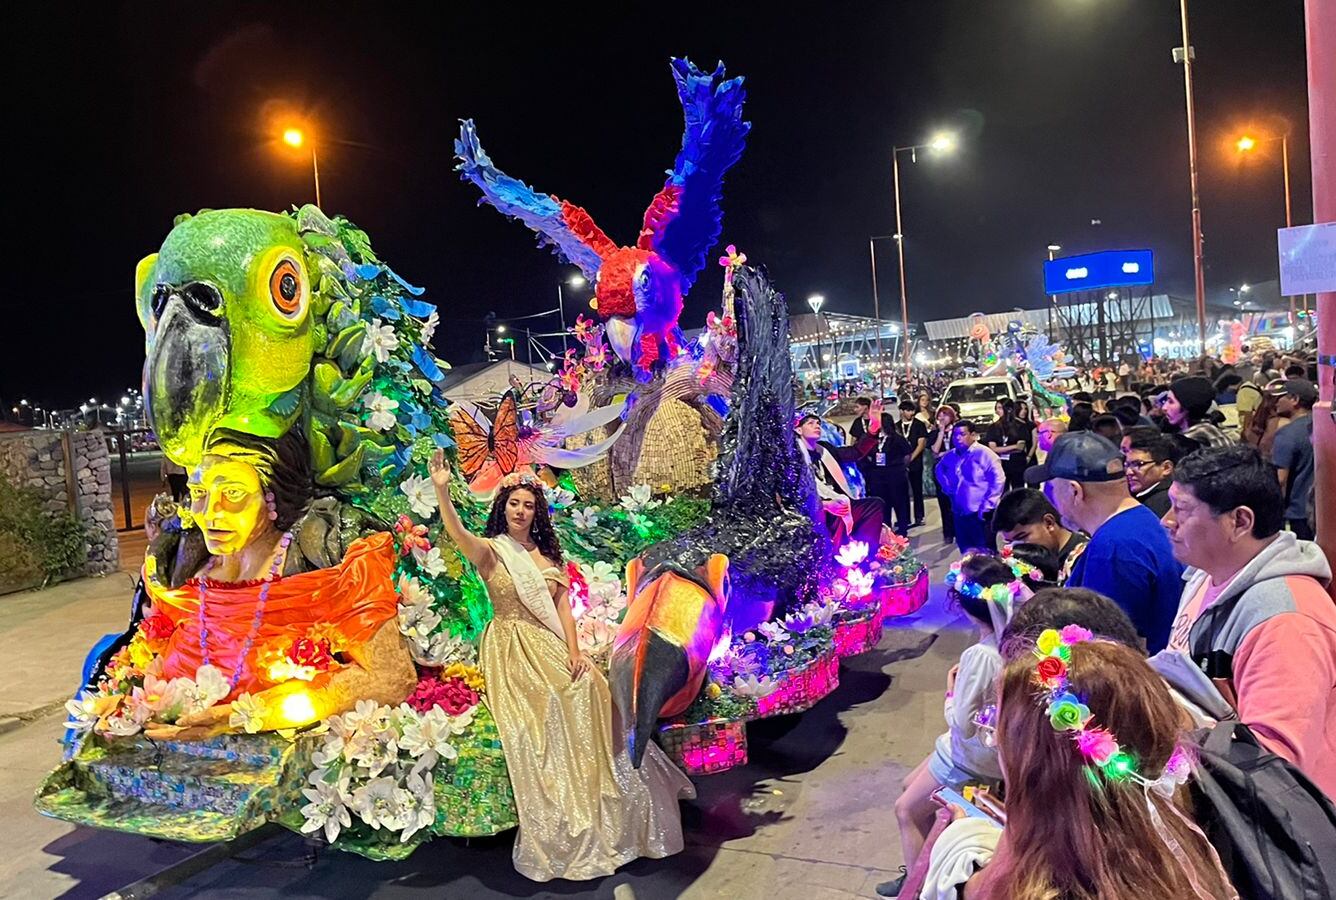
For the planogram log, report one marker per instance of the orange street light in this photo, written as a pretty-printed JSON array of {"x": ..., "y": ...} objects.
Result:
[
  {"x": 295, "y": 137},
  {"x": 1245, "y": 144}
]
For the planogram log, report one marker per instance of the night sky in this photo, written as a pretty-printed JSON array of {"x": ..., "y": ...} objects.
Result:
[{"x": 1068, "y": 110}]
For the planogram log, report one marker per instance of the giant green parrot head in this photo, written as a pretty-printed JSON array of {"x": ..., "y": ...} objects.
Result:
[{"x": 226, "y": 310}]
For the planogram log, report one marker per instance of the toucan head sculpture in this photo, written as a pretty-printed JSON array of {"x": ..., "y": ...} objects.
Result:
[{"x": 673, "y": 619}]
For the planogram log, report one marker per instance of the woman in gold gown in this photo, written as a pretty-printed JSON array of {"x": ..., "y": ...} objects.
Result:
[{"x": 584, "y": 810}]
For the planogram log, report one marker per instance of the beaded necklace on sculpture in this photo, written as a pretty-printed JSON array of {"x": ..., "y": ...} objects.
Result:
[{"x": 280, "y": 554}]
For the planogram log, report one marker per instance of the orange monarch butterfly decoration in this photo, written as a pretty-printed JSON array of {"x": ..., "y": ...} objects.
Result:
[{"x": 488, "y": 451}]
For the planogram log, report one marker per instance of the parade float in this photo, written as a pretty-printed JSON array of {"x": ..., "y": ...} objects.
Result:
[
  {"x": 1026, "y": 354},
  {"x": 302, "y": 643}
]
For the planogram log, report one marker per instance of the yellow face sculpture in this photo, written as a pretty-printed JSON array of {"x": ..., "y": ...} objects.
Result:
[{"x": 227, "y": 503}]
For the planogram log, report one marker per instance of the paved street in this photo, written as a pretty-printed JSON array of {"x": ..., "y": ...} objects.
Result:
[{"x": 809, "y": 818}]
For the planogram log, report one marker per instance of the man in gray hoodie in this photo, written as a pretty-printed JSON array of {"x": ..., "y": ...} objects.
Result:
[{"x": 1255, "y": 616}]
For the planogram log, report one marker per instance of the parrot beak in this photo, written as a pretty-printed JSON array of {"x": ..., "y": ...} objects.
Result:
[
  {"x": 659, "y": 658},
  {"x": 621, "y": 332},
  {"x": 186, "y": 367}
]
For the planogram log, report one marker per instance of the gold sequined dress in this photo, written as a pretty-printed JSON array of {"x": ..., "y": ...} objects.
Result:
[{"x": 583, "y": 809}]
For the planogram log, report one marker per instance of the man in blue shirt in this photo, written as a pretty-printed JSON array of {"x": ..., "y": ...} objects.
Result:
[
  {"x": 1292, "y": 453},
  {"x": 1129, "y": 558}
]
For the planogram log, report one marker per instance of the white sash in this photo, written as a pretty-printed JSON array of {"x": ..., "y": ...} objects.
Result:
[{"x": 529, "y": 582}]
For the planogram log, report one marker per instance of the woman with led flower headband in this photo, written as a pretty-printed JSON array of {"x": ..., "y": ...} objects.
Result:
[
  {"x": 1092, "y": 748},
  {"x": 584, "y": 810},
  {"x": 988, "y": 588}
]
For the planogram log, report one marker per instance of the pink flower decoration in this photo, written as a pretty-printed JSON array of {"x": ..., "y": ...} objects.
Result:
[
  {"x": 1075, "y": 634},
  {"x": 1096, "y": 744}
]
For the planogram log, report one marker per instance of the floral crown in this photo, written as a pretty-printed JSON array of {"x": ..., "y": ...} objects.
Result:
[
  {"x": 526, "y": 479},
  {"x": 998, "y": 593},
  {"x": 1067, "y": 714}
]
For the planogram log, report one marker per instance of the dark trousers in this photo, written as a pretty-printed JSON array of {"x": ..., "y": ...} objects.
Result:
[
  {"x": 948, "y": 522},
  {"x": 891, "y": 487},
  {"x": 916, "y": 489},
  {"x": 867, "y": 516},
  {"x": 974, "y": 531},
  {"x": 1301, "y": 529}
]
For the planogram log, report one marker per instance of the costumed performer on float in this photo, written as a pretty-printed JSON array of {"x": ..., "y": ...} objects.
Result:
[
  {"x": 292, "y": 646},
  {"x": 847, "y": 517},
  {"x": 584, "y": 810}
]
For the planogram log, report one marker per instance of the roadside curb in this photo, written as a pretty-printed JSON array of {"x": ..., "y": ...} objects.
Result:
[{"x": 16, "y": 721}]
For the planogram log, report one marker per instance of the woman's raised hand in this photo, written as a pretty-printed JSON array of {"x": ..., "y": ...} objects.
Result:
[{"x": 439, "y": 469}]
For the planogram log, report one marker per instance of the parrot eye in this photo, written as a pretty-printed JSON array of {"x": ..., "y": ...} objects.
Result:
[{"x": 285, "y": 287}]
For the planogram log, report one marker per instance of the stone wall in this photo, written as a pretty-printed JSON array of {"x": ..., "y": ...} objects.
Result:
[{"x": 37, "y": 459}]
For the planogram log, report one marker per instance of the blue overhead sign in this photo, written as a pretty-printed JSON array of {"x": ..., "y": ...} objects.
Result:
[{"x": 1090, "y": 271}]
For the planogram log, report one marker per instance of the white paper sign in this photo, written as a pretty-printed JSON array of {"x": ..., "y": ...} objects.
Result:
[{"x": 1307, "y": 259}]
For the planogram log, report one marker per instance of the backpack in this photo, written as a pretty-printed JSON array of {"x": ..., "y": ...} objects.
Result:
[{"x": 1275, "y": 831}]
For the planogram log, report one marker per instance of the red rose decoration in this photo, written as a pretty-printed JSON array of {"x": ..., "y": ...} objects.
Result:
[
  {"x": 313, "y": 653},
  {"x": 157, "y": 627},
  {"x": 457, "y": 697},
  {"x": 1050, "y": 669}
]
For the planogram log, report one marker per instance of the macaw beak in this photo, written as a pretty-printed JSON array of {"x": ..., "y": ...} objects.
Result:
[
  {"x": 186, "y": 367},
  {"x": 659, "y": 657}
]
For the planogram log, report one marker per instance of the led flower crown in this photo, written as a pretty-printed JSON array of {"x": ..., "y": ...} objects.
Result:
[
  {"x": 1067, "y": 713},
  {"x": 527, "y": 479},
  {"x": 998, "y": 593}
]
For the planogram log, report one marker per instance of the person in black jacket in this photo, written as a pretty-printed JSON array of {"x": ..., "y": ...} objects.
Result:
[
  {"x": 1149, "y": 458},
  {"x": 915, "y": 434},
  {"x": 1009, "y": 438},
  {"x": 885, "y": 471}
]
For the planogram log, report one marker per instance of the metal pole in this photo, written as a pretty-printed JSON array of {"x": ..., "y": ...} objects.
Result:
[
  {"x": 1289, "y": 220},
  {"x": 1198, "y": 269},
  {"x": 315, "y": 170},
  {"x": 900, "y": 246},
  {"x": 561, "y": 312},
  {"x": 1320, "y": 19},
  {"x": 876, "y": 312}
]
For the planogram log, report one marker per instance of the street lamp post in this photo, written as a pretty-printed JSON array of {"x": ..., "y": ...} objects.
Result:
[
  {"x": 876, "y": 307},
  {"x": 1052, "y": 300},
  {"x": 1198, "y": 269},
  {"x": 1246, "y": 144},
  {"x": 295, "y": 137},
  {"x": 815, "y": 302},
  {"x": 942, "y": 143},
  {"x": 573, "y": 281}
]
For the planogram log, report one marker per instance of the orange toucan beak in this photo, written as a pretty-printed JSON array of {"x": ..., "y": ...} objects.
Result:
[{"x": 673, "y": 619}]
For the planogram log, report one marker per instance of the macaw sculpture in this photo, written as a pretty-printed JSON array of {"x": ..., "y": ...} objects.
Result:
[
  {"x": 761, "y": 551},
  {"x": 638, "y": 289}
]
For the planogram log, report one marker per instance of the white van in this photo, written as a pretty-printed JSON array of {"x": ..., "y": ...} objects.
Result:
[{"x": 977, "y": 397}]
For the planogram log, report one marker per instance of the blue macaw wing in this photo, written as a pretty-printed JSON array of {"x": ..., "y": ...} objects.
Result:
[
  {"x": 684, "y": 222},
  {"x": 512, "y": 197}
]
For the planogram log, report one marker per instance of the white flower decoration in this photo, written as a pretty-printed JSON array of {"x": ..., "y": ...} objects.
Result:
[
  {"x": 639, "y": 498},
  {"x": 326, "y": 809},
  {"x": 380, "y": 340},
  {"x": 412, "y": 593},
  {"x": 560, "y": 498},
  {"x": 860, "y": 583},
  {"x": 585, "y": 519},
  {"x": 852, "y": 553},
  {"x": 378, "y": 804},
  {"x": 381, "y": 410},
  {"x": 210, "y": 686},
  {"x": 83, "y": 712},
  {"x": 418, "y": 803},
  {"x": 430, "y": 561},
  {"x": 751, "y": 686},
  {"x": 428, "y": 738},
  {"x": 429, "y": 328},
  {"x": 123, "y": 725},
  {"x": 421, "y": 495},
  {"x": 248, "y": 713},
  {"x": 773, "y": 631},
  {"x": 417, "y": 622}
]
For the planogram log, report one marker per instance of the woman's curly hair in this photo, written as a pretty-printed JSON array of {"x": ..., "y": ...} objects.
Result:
[{"x": 542, "y": 532}]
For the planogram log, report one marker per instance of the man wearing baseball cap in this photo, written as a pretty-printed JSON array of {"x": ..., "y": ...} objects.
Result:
[
  {"x": 1129, "y": 558},
  {"x": 1292, "y": 452}
]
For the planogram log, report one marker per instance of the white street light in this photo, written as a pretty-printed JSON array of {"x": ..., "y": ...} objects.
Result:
[
  {"x": 577, "y": 281},
  {"x": 815, "y": 302}
]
